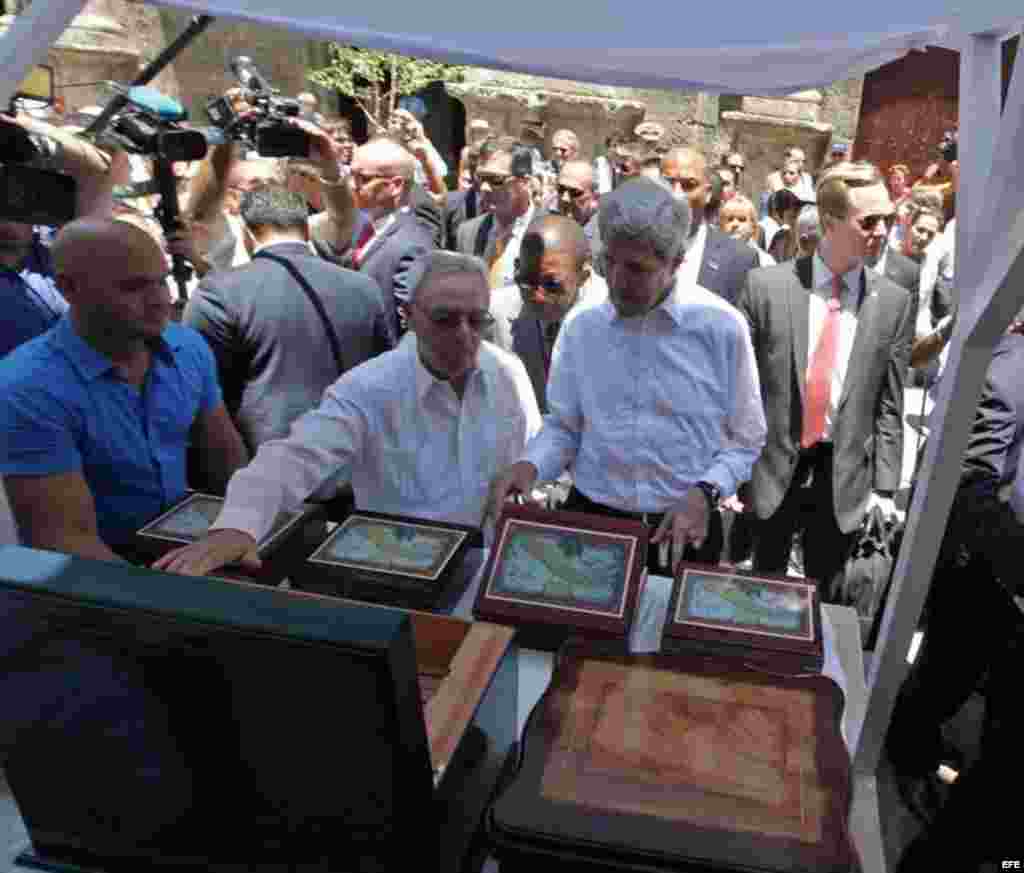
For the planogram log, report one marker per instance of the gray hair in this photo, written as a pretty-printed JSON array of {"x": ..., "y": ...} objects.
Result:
[
  {"x": 438, "y": 263},
  {"x": 808, "y": 223},
  {"x": 644, "y": 210}
]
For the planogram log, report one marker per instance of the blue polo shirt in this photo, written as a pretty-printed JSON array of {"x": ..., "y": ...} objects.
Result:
[
  {"x": 29, "y": 299},
  {"x": 63, "y": 409}
]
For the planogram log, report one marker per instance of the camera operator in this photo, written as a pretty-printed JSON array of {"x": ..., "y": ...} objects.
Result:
[
  {"x": 213, "y": 200},
  {"x": 31, "y": 301}
]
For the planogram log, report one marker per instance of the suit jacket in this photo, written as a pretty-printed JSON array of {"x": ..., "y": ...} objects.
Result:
[
  {"x": 516, "y": 333},
  {"x": 988, "y": 513},
  {"x": 460, "y": 206},
  {"x": 272, "y": 350},
  {"x": 725, "y": 265},
  {"x": 471, "y": 236},
  {"x": 867, "y": 433},
  {"x": 389, "y": 256}
]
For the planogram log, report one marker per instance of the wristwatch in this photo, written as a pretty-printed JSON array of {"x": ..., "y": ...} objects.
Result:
[{"x": 712, "y": 492}]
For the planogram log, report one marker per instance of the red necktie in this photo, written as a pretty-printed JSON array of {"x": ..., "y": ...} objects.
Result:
[
  {"x": 819, "y": 373},
  {"x": 364, "y": 238}
]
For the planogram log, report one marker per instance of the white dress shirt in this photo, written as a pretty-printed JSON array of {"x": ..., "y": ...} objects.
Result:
[
  {"x": 821, "y": 294},
  {"x": 403, "y": 439},
  {"x": 642, "y": 408},
  {"x": 507, "y": 262},
  {"x": 690, "y": 267}
]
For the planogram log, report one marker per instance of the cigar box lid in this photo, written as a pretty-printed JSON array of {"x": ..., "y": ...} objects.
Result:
[{"x": 681, "y": 760}]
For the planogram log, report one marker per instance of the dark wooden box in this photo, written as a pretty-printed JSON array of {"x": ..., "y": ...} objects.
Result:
[
  {"x": 293, "y": 536},
  {"x": 394, "y": 560},
  {"x": 179, "y": 723},
  {"x": 677, "y": 763},
  {"x": 560, "y": 574},
  {"x": 773, "y": 622}
]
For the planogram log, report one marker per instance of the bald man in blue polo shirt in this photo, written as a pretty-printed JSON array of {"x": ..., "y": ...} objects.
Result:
[{"x": 96, "y": 414}]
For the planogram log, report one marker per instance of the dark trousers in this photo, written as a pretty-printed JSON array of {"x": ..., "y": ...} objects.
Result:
[
  {"x": 974, "y": 630},
  {"x": 708, "y": 553},
  {"x": 807, "y": 509}
]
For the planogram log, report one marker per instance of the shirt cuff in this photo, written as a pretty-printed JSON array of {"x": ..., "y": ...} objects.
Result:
[
  {"x": 721, "y": 478},
  {"x": 546, "y": 472},
  {"x": 247, "y": 520}
]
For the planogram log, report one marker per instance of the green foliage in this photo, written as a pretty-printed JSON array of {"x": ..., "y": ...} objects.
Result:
[{"x": 377, "y": 79}]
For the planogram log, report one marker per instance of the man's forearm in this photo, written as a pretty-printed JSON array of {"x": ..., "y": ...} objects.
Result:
[
  {"x": 82, "y": 544},
  {"x": 209, "y": 187},
  {"x": 336, "y": 228}
]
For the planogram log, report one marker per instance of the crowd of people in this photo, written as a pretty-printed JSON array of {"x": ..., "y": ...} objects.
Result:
[{"x": 730, "y": 372}]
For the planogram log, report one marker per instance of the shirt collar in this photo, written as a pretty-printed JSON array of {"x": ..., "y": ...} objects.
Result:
[
  {"x": 823, "y": 276},
  {"x": 425, "y": 380},
  {"x": 519, "y": 225},
  {"x": 90, "y": 363}
]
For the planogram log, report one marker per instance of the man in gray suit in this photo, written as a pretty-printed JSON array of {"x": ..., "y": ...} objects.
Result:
[
  {"x": 278, "y": 344},
  {"x": 832, "y": 341},
  {"x": 553, "y": 281}
]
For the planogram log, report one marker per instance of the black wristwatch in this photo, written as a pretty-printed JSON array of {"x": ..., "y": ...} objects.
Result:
[{"x": 712, "y": 492}]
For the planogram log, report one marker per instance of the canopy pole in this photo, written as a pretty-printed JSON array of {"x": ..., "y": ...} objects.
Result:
[
  {"x": 979, "y": 327},
  {"x": 29, "y": 38}
]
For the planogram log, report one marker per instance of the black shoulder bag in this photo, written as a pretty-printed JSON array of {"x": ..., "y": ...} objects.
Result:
[{"x": 332, "y": 337}]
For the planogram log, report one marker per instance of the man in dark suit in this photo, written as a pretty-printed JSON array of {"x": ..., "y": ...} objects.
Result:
[
  {"x": 554, "y": 280},
  {"x": 506, "y": 209},
  {"x": 974, "y": 629},
  {"x": 714, "y": 260},
  {"x": 833, "y": 342},
  {"x": 392, "y": 240},
  {"x": 275, "y": 351},
  {"x": 462, "y": 206}
]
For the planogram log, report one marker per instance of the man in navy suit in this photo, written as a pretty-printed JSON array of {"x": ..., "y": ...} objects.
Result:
[
  {"x": 714, "y": 260},
  {"x": 382, "y": 177}
]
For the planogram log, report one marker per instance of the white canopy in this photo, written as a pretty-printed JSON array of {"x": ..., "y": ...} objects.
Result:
[{"x": 756, "y": 49}]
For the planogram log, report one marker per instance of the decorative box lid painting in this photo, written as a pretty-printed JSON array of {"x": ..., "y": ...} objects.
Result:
[
  {"x": 189, "y": 520},
  {"x": 419, "y": 550},
  {"x": 768, "y": 607},
  {"x": 563, "y": 570}
]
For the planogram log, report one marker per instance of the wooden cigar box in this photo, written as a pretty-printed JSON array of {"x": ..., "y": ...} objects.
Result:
[
  {"x": 677, "y": 763},
  {"x": 558, "y": 574},
  {"x": 394, "y": 560},
  {"x": 772, "y": 622},
  {"x": 293, "y": 536}
]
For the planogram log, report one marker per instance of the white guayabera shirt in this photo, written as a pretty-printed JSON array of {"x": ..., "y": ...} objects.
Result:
[{"x": 400, "y": 436}]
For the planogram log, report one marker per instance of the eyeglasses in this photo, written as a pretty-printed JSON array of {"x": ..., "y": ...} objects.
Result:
[
  {"x": 562, "y": 149},
  {"x": 447, "y": 319},
  {"x": 869, "y": 222},
  {"x": 550, "y": 286},
  {"x": 685, "y": 184},
  {"x": 361, "y": 179},
  {"x": 736, "y": 168},
  {"x": 574, "y": 193}
]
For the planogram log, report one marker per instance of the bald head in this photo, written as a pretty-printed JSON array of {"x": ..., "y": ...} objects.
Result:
[
  {"x": 89, "y": 245},
  {"x": 114, "y": 276},
  {"x": 685, "y": 155},
  {"x": 388, "y": 157},
  {"x": 686, "y": 171},
  {"x": 558, "y": 233}
]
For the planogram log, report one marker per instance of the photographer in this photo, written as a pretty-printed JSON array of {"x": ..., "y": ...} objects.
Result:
[
  {"x": 224, "y": 177},
  {"x": 32, "y": 303}
]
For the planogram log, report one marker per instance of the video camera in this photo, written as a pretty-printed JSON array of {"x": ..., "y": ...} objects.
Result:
[
  {"x": 263, "y": 124},
  {"x": 31, "y": 192}
]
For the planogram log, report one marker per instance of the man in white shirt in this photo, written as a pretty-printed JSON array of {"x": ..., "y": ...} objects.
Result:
[
  {"x": 418, "y": 431},
  {"x": 653, "y": 396}
]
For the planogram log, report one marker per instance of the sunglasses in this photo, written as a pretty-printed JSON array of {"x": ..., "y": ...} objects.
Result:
[
  {"x": 361, "y": 179},
  {"x": 493, "y": 180},
  {"x": 478, "y": 321},
  {"x": 574, "y": 193},
  {"x": 736, "y": 168},
  {"x": 685, "y": 184},
  {"x": 552, "y": 287},
  {"x": 869, "y": 222}
]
